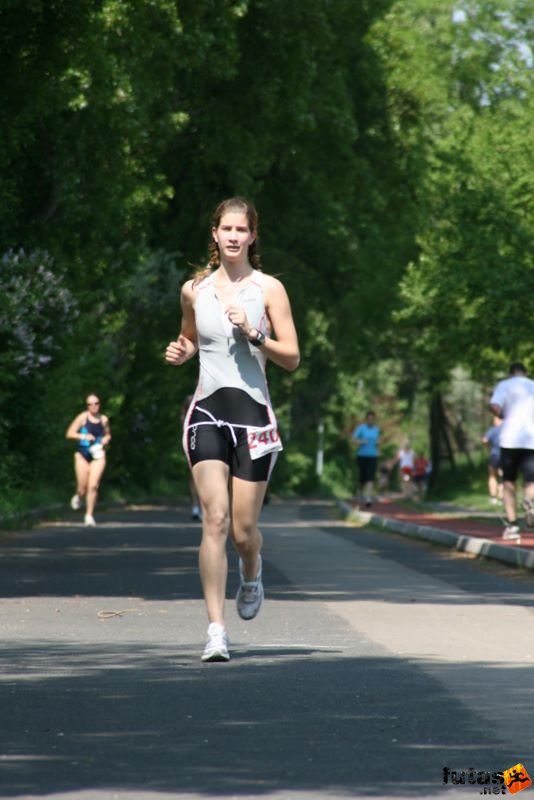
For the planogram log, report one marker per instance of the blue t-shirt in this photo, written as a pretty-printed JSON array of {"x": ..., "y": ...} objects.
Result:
[
  {"x": 492, "y": 436},
  {"x": 371, "y": 433}
]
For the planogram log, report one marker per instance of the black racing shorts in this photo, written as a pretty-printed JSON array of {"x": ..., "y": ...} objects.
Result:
[
  {"x": 367, "y": 468},
  {"x": 210, "y": 442},
  {"x": 516, "y": 460}
]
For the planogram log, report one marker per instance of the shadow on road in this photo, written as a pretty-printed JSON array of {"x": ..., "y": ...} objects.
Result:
[
  {"x": 147, "y": 718},
  {"x": 152, "y": 553}
]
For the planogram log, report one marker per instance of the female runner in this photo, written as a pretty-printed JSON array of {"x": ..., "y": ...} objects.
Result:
[
  {"x": 236, "y": 317},
  {"x": 92, "y": 432}
]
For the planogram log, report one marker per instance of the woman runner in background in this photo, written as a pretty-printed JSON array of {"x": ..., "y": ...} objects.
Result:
[
  {"x": 92, "y": 432},
  {"x": 237, "y": 318}
]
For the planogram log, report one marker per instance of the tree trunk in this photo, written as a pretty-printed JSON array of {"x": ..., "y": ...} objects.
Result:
[{"x": 440, "y": 444}]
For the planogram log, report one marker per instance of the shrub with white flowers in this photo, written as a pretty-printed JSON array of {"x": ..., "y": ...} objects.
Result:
[{"x": 35, "y": 307}]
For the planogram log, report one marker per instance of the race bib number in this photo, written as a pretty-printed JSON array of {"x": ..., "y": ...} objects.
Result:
[{"x": 263, "y": 441}]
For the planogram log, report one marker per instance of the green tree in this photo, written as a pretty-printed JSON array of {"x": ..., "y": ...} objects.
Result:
[
  {"x": 37, "y": 313},
  {"x": 459, "y": 83},
  {"x": 125, "y": 122},
  {"x": 89, "y": 105}
]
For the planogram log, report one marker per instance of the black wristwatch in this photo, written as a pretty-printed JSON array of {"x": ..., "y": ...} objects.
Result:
[{"x": 258, "y": 340}]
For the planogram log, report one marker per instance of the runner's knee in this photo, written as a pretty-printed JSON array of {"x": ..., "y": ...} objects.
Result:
[{"x": 216, "y": 521}]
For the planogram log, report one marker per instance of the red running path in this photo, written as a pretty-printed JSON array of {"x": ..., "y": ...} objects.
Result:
[{"x": 469, "y": 522}]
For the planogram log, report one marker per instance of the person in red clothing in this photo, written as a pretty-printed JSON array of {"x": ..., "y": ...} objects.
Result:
[{"x": 420, "y": 475}]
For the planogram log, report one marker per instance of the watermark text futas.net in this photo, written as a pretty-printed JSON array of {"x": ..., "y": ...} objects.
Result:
[{"x": 510, "y": 780}]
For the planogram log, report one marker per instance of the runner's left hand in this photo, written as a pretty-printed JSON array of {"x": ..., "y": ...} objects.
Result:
[{"x": 238, "y": 317}]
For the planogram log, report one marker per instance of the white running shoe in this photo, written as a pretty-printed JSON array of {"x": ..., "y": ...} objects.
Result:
[
  {"x": 250, "y": 594},
  {"x": 216, "y": 648},
  {"x": 89, "y": 521},
  {"x": 75, "y": 502},
  {"x": 529, "y": 513},
  {"x": 512, "y": 532},
  {"x": 196, "y": 513}
]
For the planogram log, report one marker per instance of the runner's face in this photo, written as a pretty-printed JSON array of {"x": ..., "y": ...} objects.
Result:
[
  {"x": 93, "y": 404},
  {"x": 233, "y": 236}
]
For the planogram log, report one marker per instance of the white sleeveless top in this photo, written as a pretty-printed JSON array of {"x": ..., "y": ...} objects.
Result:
[{"x": 227, "y": 359}]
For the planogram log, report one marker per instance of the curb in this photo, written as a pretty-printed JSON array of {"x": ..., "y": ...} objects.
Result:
[{"x": 475, "y": 545}]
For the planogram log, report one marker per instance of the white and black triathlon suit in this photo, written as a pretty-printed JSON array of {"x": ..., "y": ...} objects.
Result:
[{"x": 230, "y": 418}]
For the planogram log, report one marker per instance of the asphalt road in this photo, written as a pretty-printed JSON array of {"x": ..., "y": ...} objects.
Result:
[{"x": 375, "y": 663}]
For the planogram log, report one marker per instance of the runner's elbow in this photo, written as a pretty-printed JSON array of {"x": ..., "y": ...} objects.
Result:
[{"x": 292, "y": 362}]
